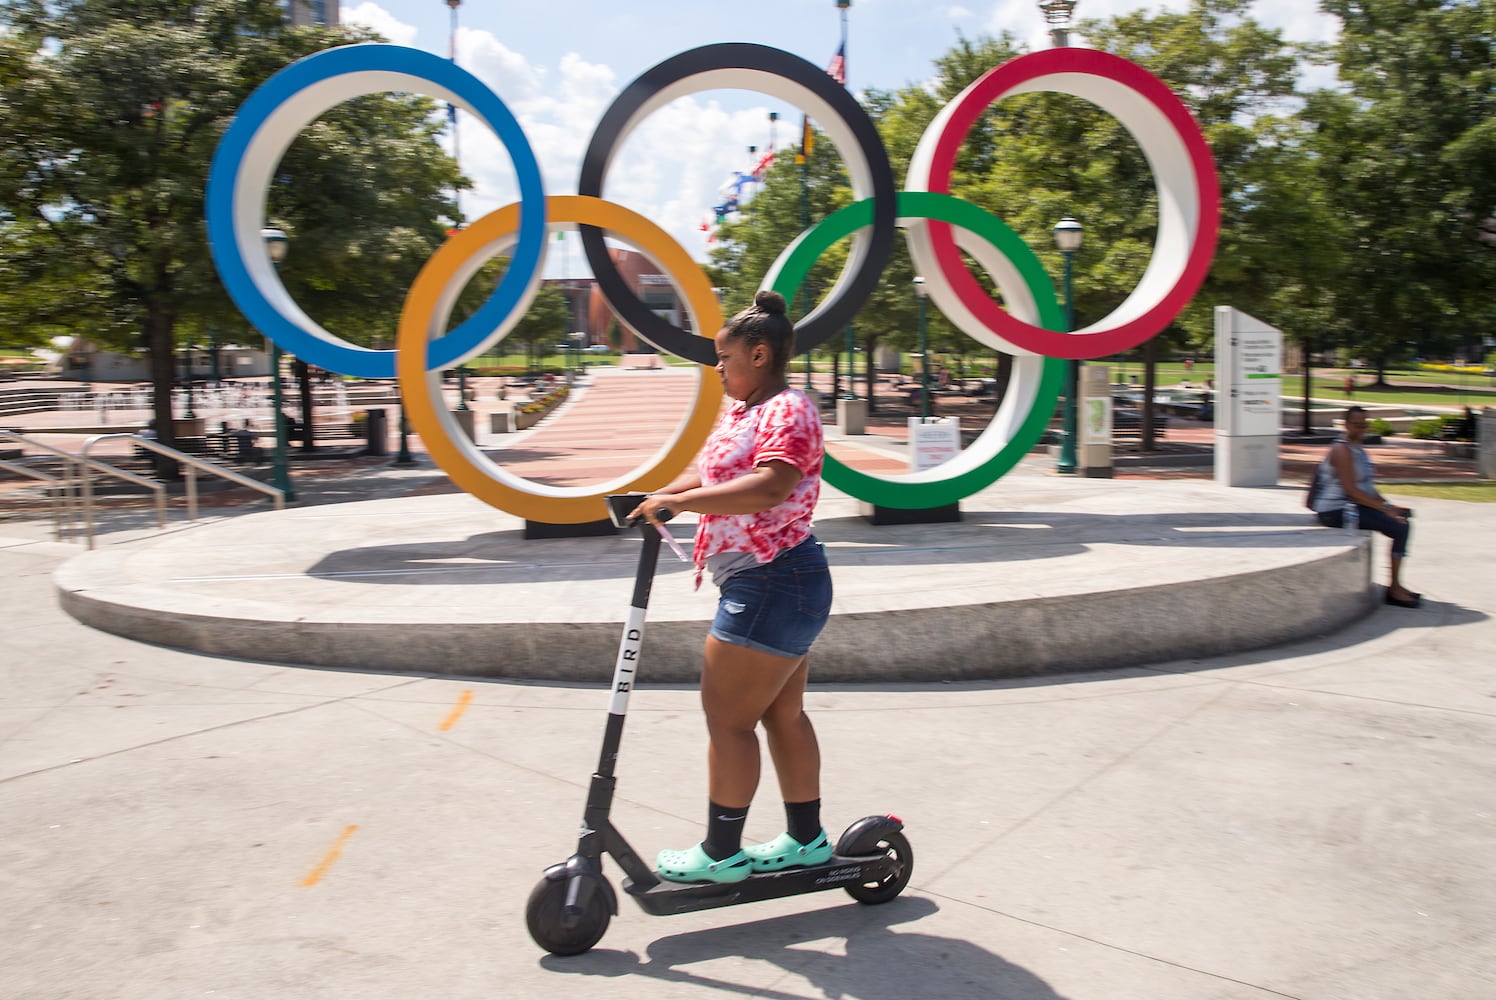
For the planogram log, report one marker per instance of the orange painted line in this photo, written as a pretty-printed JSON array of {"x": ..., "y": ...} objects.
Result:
[
  {"x": 463, "y": 701},
  {"x": 316, "y": 874}
]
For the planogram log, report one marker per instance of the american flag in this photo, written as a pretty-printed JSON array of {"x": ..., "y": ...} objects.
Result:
[{"x": 837, "y": 69}]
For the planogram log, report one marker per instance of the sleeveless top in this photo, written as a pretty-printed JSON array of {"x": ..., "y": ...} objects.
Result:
[{"x": 1331, "y": 496}]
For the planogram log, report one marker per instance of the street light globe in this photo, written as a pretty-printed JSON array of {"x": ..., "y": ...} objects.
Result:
[
  {"x": 276, "y": 244},
  {"x": 1068, "y": 235},
  {"x": 1057, "y": 11},
  {"x": 843, "y": 4},
  {"x": 919, "y": 287}
]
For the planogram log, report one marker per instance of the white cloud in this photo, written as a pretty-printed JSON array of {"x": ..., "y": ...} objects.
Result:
[
  {"x": 374, "y": 17},
  {"x": 669, "y": 169}
]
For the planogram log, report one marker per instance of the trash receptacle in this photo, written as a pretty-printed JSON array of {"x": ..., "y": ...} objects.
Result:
[{"x": 377, "y": 433}]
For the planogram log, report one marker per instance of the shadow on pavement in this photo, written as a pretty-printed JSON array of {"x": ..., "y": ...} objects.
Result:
[
  {"x": 983, "y": 537},
  {"x": 879, "y": 963}
]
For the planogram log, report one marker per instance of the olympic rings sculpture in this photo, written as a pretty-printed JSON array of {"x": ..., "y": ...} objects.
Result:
[{"x": 937, "y": 226}]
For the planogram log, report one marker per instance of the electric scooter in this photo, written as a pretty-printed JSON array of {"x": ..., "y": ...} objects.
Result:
[{"x": 569, "y": 909}]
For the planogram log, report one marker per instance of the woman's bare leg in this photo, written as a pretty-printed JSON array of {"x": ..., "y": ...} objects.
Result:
[
  {"x": 792, "y": 740},
  {"x": 738, "y": 687}
]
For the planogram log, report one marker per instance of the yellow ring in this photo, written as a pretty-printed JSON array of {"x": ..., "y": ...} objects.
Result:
[{"x": 424, "y": 317}]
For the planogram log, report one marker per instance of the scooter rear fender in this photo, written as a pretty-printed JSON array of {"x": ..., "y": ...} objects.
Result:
[{"x": 861, "y": 838}]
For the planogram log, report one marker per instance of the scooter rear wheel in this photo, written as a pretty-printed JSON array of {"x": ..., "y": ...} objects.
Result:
[
  {"x": 896, "y": 846},
  {"x": 545, "y": 916}
]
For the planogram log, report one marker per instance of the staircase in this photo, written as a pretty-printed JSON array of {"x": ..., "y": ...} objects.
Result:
[{"x": 16, "y": 400}]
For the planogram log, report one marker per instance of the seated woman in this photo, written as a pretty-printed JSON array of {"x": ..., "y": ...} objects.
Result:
[{"x": 1347, "y": 476}]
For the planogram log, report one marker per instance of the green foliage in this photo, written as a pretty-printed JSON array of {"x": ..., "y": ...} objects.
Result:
[
  {"x": 1378, "y": 426},
  {"x": 1427, "y": 428},
  {"x": 1404, "y": 160},
  {"x": 546, "y": 322},
  {"x": 101, "y": 205}
]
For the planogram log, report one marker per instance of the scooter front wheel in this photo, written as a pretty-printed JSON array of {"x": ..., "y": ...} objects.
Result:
[
  {"x": 896, "y": 847},
  {"x": 554, "y": 930}
]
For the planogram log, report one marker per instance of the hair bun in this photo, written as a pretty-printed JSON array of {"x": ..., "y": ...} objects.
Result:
[{"x": 770, "y": 302}]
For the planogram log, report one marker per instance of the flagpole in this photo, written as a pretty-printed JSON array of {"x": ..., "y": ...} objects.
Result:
[
  {"x": 851, "y": 343},
  {"x": 452, "y": 108}
]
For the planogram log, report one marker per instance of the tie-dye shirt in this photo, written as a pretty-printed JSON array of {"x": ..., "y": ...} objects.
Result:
[{"x": 786, "y": 427}]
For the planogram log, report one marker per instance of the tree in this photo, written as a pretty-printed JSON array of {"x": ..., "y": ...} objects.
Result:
[
  {"x": 1405, "y": 156},
  {"x": 102, "y": 206},
  {"x": 547, "y": 321},
  {"x": 1275, "y": 253}
]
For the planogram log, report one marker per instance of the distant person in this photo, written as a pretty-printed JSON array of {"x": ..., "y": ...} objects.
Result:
[
  {"x": 1346, "y": 475},
  {"x": 1467, "y": 425},
  {"x": 247, "y": 444},
  {"x": 1189, "y": 364},
  {"x": 148, "y": 433},
  {"x": 1350, "y": 386}
]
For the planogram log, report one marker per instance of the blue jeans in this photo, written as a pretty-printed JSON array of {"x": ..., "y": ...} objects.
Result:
[
  {"x": 1373, "y": 519},
  {"x": 777, "y": 607}
]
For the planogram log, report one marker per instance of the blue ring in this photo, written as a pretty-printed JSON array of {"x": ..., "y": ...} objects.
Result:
[{"x": 223, "y": 182}]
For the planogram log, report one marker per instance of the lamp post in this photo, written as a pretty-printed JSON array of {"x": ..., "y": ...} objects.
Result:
[
  {"x": 191, "y": 414},
  {"x": 924, "y": 351},
  {"x": 276, "y": 245},
  {"x": 1068, "y": 235},
  {"x": 851, "y": 392},
  {"x": 1057, "y": 13}
]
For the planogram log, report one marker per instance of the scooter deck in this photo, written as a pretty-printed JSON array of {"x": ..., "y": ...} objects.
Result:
[{"x": 664, "y": 898}]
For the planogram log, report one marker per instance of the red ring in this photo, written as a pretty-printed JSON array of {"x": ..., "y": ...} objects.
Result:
[{"x": 997, "y": 83}]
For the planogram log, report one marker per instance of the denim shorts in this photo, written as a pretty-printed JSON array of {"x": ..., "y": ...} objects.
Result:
[{"x": 777, "y": 607}]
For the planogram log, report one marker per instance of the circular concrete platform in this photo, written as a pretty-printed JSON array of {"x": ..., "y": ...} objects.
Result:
[{"x": 1043, "y": 575}]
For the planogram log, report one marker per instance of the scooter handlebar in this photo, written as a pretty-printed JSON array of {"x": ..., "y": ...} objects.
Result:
[{"x": 621, "y": 505}]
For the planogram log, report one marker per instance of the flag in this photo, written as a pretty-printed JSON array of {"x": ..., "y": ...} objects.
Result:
[
  {"x": 837, "y": 69},
  {"x": 452, "y": 114},
  {"x": 762, "y": 166}
]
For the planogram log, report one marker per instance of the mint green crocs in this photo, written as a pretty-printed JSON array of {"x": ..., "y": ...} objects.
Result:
[
  {"x": 695, "y": 865},
  {"x": 785, "y": 851}
]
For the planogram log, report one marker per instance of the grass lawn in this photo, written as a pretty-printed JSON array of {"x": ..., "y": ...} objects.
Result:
[
  {"x": 1482, "y": 492},
  {"x": 1405, "y": 388}
]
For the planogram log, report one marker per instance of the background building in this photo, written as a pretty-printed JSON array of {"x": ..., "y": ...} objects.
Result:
[{"x": 305, "y": 12}]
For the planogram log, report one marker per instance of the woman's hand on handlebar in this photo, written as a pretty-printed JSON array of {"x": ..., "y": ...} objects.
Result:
[{"x": 656, "y": 508}]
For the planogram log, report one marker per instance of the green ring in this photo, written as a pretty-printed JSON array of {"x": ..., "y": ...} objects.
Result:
[{"x": 803, "y": 254}]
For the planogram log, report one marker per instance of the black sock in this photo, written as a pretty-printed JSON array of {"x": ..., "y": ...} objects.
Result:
[
  {"x": 724, "y": 831},
  {"x": 803, "y": 819}
]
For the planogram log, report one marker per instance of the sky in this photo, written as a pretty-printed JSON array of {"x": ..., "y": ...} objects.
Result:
[{"x": 558, "y": 66}]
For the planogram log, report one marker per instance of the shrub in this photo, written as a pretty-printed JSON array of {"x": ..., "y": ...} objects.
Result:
[
  {"x": 1380, "y": 427},
  {"x": 1426, "y": 429}
]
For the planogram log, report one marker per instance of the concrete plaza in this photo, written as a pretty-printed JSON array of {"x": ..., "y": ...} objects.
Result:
[{"x": 1309, "y": 820}]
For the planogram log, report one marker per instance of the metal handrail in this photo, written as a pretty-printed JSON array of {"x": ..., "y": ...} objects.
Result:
[
  {"x": 57, "y": 484},
  {"x": 76, "y": 464},
  {"x": 192, "y": 464}
]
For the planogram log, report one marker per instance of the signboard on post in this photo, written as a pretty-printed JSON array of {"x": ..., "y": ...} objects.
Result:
[
  {"x": 1249, "y": 395},
  {"x": 932, "y": 441},
  {"x": 1096, "y": 420},
  {"x": 1094, "y": 417}
]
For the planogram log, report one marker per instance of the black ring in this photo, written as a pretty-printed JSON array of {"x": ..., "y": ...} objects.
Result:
[{"x": 846, "y": 299}]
